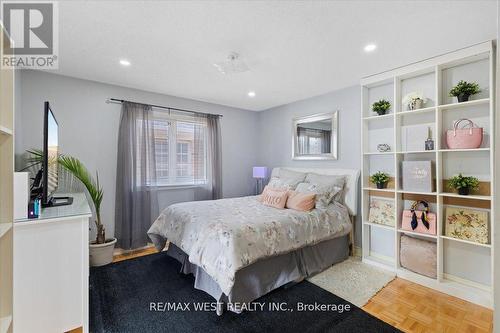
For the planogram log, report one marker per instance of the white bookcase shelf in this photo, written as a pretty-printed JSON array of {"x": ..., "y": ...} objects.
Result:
[
  {"x": 464, "y": 268},
  {"x": 6, "y": 190}
]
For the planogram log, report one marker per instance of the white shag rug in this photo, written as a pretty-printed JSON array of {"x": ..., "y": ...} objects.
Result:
[{"x": 353, "y": 280}]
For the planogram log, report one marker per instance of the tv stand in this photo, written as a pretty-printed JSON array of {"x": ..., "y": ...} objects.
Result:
[{"x": 58, "y": 201}]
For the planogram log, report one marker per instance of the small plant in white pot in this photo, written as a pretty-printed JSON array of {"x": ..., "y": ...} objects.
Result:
[
  {"x": 101, "y": 249},
  {"x": 414, "y": 101}
]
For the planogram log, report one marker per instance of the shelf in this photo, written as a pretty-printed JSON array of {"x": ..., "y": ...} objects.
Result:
[
  {"x": 381, "y": 226},
  {"x": 416, "y": 192},
  {"x": 5, "y": 324},
  {"x": 465, "y": 241},
  {"x": 5, "y": 131},
  {"x": 464, "y": 104},
  {"x": 384, "y": 116},
  {"x": 410, "y": 112},
  {"x": 470, "y": 196},
  {"x": 379, "y": 262},
  {"x": 4, "y": 227},
  {"x": 416, "y": 152},
  {"x": 401, "y": 231},
  {"x": 462, "y": 150},
  {"x": 378, "y": 189},
  {"x": 380, "y": 153}
]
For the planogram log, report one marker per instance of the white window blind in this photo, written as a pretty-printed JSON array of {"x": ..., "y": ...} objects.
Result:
[{"x": 180, "y": 143}]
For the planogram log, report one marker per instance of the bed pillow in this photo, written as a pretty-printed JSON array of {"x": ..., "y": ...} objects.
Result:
[
  {"x": 335, "y": 181},
  {"x": 274, "y": 197},
  {"x": 287, "y": 179},
  {"x": 301, "y": 201},
  {"x": 324, "y": 193}
]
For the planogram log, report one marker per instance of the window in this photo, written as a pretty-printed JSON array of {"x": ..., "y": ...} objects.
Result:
[{"x": 180, "y": 150}]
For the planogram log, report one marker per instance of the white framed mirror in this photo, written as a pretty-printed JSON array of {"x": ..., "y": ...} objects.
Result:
[{"x": 315, "y": 137}]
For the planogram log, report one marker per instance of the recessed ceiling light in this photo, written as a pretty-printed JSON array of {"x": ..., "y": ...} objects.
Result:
[
  {"x": 251, "y": 94},
  {"x": 370, "y": 47},
  {"x": 124, "y": 62}
]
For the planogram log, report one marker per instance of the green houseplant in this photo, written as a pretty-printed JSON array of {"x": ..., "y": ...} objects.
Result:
[
  {"x": 380, "y": 179},
  {"x": 101, "y": 250},
  {"x": 381, "y": 106},
  {"x": 463, "y": 90},
  {"x": 463, "y": 184}
]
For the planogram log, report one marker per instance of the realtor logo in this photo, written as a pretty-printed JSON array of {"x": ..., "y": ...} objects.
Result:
[{"x": 32, "y": 27}]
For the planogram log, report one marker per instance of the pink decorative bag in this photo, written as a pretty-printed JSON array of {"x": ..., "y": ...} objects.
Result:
[
  {"x": 464, "y": 138},
  {"x": 423, "y": 222}
]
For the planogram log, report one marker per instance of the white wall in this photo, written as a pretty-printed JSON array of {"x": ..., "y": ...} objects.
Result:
[
  {"x": 275, "y": 133},
  {"x": 89, "y": 131}
]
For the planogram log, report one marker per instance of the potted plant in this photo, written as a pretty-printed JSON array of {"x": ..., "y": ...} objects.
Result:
[
  {"x": 380, "y": 179},
  {"x": 414, "y": 100},
  {"x": 101, "y": 249},
  {"x": 463, "y": 90},
  {"x": 463, "y": 184},
  {"x": 381, "y": 106}
]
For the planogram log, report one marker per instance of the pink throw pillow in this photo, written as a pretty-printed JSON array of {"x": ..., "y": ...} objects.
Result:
[
  {"x": 274, "y": 197},
  {"x": 303, "y": 201}
]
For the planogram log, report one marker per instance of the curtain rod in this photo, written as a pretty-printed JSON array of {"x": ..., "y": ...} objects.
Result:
[{"x": 119, "y": 101}]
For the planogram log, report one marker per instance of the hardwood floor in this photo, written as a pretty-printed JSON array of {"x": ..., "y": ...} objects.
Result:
[
  {"x": 411, "y": 307},
  {"x": 414, "y": 308}
]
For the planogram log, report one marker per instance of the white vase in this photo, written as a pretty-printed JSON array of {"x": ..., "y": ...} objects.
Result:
[{"x": 101, "y": 254}]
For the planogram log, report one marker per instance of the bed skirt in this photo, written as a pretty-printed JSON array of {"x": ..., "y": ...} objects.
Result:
[{"x": 263, "y": 276}]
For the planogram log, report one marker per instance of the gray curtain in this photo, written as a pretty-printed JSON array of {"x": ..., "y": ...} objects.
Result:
[
  {"x": 136, "y": 197},
  {"x": 212, "y": 190}
]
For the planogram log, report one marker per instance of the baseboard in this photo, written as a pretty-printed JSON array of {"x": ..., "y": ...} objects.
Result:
[
  {"x": 357, "y": 252},
  {"x": 119, "y": 251}
]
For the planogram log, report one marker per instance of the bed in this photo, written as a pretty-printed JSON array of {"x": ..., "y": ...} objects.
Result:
[{"x": 239, "y": 249}]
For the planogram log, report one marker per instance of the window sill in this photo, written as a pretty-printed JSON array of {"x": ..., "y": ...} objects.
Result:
[{"x": 177, "y": 186}]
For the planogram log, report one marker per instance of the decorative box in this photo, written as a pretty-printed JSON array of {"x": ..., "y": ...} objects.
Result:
[
  {"x": 467, "y": 224},
  {"x": 418, "y": 176},
  {"x": 419, "y": 256},
  {"x": 382, "y": 211}
]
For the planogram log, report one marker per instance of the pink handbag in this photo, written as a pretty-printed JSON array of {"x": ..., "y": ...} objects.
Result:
[
  {"x": 423, "y": 222},
  {"x": 464, "y": 138}
]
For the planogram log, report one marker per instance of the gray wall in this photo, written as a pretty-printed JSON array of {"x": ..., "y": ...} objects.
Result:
[
  {"x": 275, "y": 132},
  {"x": 89, "y": 131}
]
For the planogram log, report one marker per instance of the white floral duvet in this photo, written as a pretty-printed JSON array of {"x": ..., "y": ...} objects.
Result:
[{"x": 223, "y": 236}]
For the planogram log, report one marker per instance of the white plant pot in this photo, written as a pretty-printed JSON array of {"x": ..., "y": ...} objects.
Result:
[{"x": 101, "y": 254}]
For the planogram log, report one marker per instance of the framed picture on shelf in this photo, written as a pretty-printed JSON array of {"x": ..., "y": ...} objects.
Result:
[
  {"x": 467, "y": 224},
  {"x": 382, "y": 211}
]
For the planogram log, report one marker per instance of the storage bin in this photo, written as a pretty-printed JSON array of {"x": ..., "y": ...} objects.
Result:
[{"x": 419, "y": 256}]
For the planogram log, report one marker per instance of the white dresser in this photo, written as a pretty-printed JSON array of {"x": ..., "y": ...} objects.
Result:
[{"x": 51, "y": 269}]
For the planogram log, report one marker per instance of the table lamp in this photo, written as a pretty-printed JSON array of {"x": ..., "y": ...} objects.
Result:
[{"x": 259, "y": 173}]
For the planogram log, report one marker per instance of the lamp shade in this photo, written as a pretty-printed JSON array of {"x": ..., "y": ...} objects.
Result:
[{"x": 259, "y": 172}]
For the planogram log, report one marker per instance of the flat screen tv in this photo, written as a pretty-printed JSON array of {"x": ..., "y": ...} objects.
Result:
[
  {"x": 50, "y": 165},
  {"x": 50, "y": 153}
]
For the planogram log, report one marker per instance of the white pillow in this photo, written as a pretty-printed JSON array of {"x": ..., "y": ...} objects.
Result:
[
  {"x": 326, "y": 188},
  {"x": 287, "y": 179},
  {"x": 337, "y": 181}
]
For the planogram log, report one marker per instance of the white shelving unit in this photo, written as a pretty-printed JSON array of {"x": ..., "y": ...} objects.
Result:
[
  {"x": 6, "y": 190},
  {"x": 464, "y": 268}
]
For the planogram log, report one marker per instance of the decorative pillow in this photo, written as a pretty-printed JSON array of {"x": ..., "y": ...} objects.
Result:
[
  {"x": 287, "y": 179},
  {"x": 302, "y": 201},
  {"x": 274, "y": 197},
  {"x": 324, "y": 193},
  {"x": 335, "y": 181}
]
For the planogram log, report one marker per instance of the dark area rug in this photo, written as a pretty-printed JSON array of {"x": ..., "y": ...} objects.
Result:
[{"x": 121, "y": 295}]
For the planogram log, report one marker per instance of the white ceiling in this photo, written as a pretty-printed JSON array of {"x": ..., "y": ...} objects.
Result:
[{"x": 295, "y": 49}]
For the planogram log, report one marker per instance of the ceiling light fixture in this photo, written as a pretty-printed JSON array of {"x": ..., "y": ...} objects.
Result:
[
  {"x": 124, "y": 62},
  {"x": 233, "y": 64},
  {"x": 251, "y": 94},
  {"x": 370, "y": 47}
]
